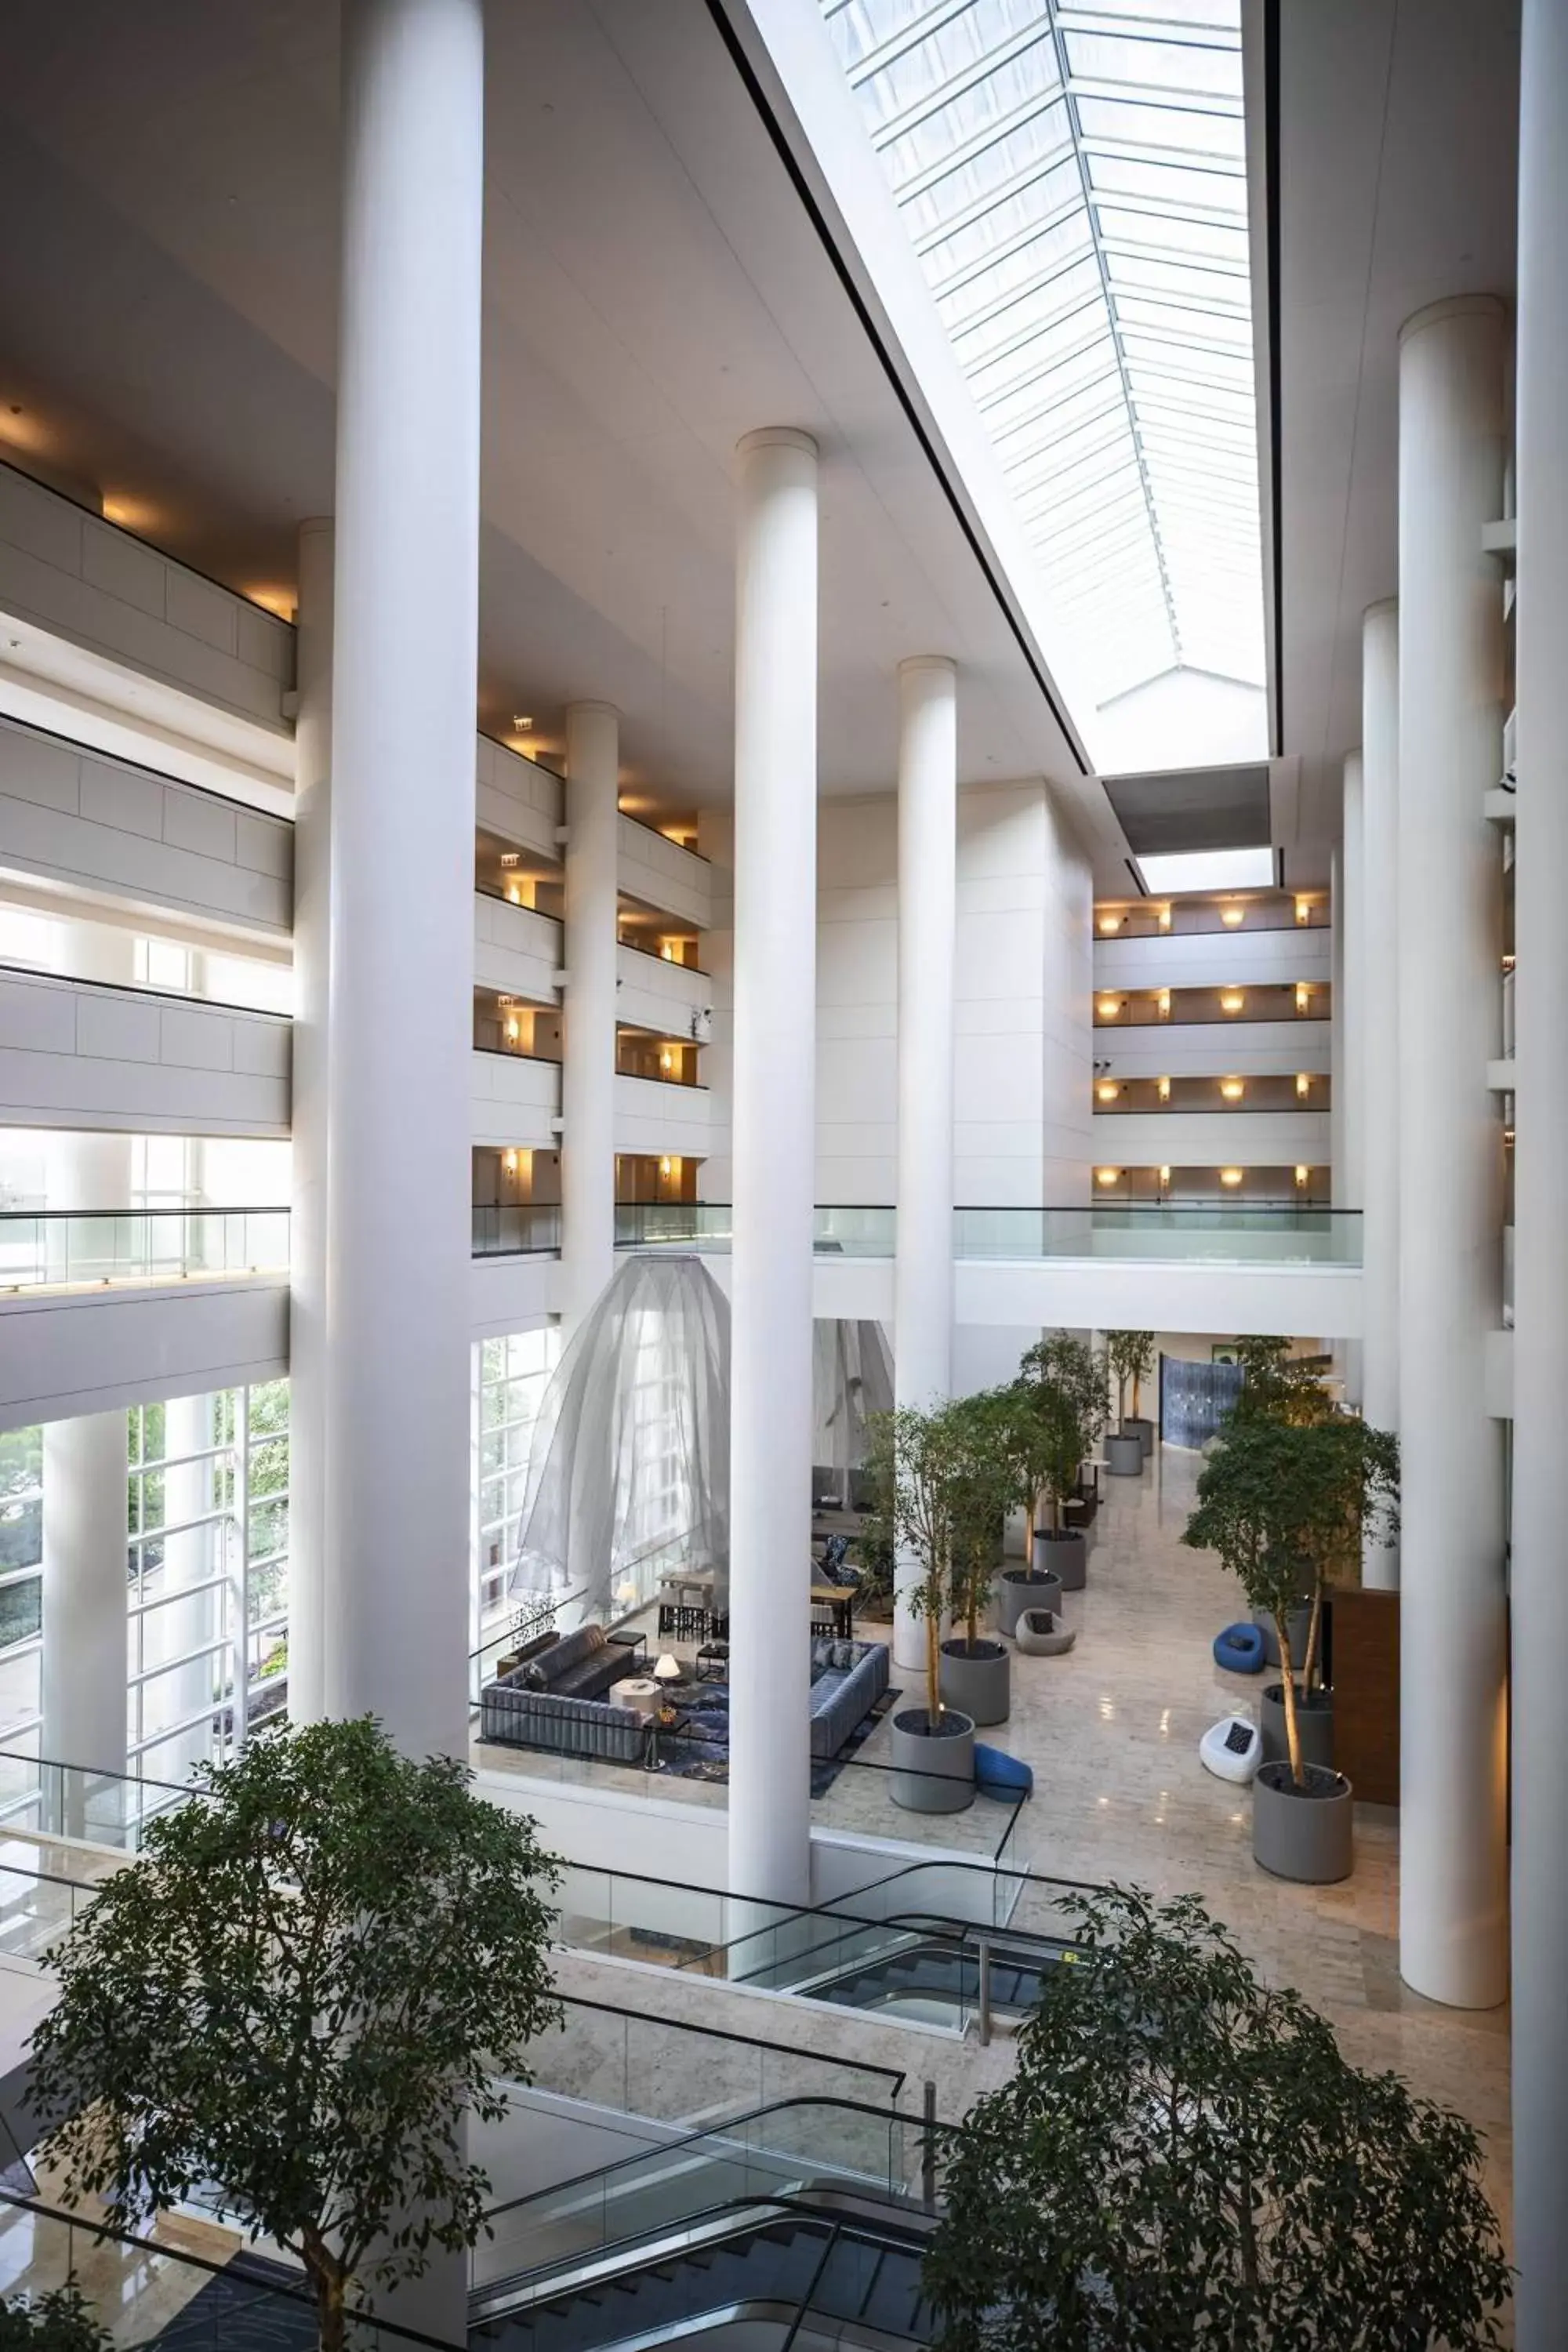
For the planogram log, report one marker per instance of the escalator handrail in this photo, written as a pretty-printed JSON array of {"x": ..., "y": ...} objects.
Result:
[
  {"x": 962, "y": 1931},
  {"x": 711, "y": 2132},
  {"x": 955, "y": 1938}
]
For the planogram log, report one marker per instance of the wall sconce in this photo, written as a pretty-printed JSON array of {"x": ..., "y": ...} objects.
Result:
[
  {"x": 666, "y": 949},
  {"x": 1164, "y": 919},
  {"x": 665, "y": 1166},
  {"x": 1230, "y": 1177},
  {"x": 1165, "y": 1175},
  {"x": 1303, "y": 910},
  {"x": 1108, "y": 926},
  {"x": 1108, "y": 1175},
  {"x": 1164, "y": 1090},
  {"x": 1231, "y": 1000},
  {"x": 1303, "y": 1084},
  {"x": 1108, "y": 1090},
  {"x": 513, "y": 1033},
  {"x": 1163, "y": 1004},
  {"x": 1232, "y": 1089},
  {"x": 1303, "y": 996},
  {"x": 1233, "y": 917},
  {"x": 509, "y": 1162},
  {"x": 1109, "y": 1007},
  {"x": 1301, "y": 1175},
  {"x": 665, "y": 1060},
  {"x": 514, "y": 892}
]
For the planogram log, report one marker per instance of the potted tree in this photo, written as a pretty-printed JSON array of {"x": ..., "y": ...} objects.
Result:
[
  {"x": 1277, "y": 1386},
  {"x": 912, "y": 1459},
  {"x": 1055, "y": 1410},
  {"x": 1130, "y": 1355},
  {"x": 296, "y": 1994},
  {"x": 982, "y": 1487},
  {"x": 1183, "y": 2155}
]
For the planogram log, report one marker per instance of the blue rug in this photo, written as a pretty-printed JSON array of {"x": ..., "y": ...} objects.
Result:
[{"x": 699, "y": 1749}]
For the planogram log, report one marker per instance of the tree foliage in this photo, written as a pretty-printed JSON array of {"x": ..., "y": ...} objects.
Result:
[
  {"x": 945, "y": 1481},
  {"x": 1277, "y": 1386},
  {"x": 1130, "y": 1355},
  {"x": 60, "y": 2320},
  {"x": 1184, "y": 2158},
  {"x": 297, "y": 1992},
  {"x": 1059, "y": 1411}
]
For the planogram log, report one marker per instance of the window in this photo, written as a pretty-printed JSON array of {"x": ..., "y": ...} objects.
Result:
[
  {"x": 511, "y": 1375},
  {"x": 21, "y": 1608}
]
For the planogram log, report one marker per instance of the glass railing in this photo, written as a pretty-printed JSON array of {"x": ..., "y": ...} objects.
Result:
[
  {"x": 1220, "y": 1231},
  {"x": 521, "y": 1228},
  {"x": 50, "y": 1800},
  {"x": 57, "y": 1249}
]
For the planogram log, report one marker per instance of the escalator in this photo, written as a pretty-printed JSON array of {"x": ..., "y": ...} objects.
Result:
[
  {"x": 934, "y": 1980},
  {"x": 788, "y": 2263}
]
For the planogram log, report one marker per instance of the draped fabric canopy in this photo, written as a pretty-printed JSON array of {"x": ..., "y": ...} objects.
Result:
[{"x": 629, "y": 1473}]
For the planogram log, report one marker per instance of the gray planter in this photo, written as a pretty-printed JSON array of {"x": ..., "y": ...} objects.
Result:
[
  {"x": 1315, "y": 1722},
  {"x": 1046, "y": 1594},
  {"x": 1022, "y": 1588},
  {"x": 1135, "y": 1425},
  {"x": 1064, "y": 1559},
  {"x": 976, "y": 1681},
  {"x": 1298, "y": 1623},
  {"x": 1305, "y": 1835},
  {"x": 933, "y": 1773},
  {"x": 1124, "y": 1456}
]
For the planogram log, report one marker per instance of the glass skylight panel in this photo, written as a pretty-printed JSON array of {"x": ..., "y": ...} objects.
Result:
[
  {"x": 1072, "y": 175},
  {"x": 1208, "y": 869}
]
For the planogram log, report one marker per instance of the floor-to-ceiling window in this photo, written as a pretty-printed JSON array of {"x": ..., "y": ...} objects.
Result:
[
  {"x": 21, "y": 1595},
  {"x": 511, "y": 1375}
]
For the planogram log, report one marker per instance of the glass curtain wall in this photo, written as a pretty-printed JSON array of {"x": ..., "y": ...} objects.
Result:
[
  {"x": 510, "y": 1376},
  {"x": 21, "y": 1589}
]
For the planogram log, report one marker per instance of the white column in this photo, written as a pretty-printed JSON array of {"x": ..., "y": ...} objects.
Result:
[
  {"x": 588, "y": 1021},
  {"x": 1539, "y": 1589},
  {"x": 404, "y": 602},
  {"x": 922, "y": 1268},
  {"x": 308, "y": 1218},
  {"x": 1452, "y": 1913},
  {"x": 774, "y": 1167},
  {"x": 1378, "y": 1015}
]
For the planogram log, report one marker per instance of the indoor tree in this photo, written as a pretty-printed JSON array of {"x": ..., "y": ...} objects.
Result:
[
  {"x": 1183, "y": 2156},
  {"x": 1284, "y": 1503},
  {"x": 1057, "y": 1410},
  {"x": 945, "y": 1484},
  {"x": 982, "y": 1489},
  {"x": 310, "y": 1976},
  {"x": 1276, "y": 1385},
  {"x": 1130, "y": 1355},
  {"x": 57, "y": 2321}
]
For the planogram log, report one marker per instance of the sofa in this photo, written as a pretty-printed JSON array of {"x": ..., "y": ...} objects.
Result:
[
  {"x": 847, "y": 1678},
  {"x": 555, "y": 1700}
]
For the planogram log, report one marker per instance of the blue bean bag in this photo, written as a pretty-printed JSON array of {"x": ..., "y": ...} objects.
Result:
[
  {"x": 1000, "y": 1774},
  {"x": 1239, "y": 1649}
]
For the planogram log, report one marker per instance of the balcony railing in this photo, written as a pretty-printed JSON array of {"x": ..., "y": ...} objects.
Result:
[
  {"x": 1220, "y": 1231},
  {"x": 516, "y": 1229},
  {"x": 58, "y": 1249}
]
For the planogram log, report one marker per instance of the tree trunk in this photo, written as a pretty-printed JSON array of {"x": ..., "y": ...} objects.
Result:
[
  {"x": 330, "y": 2280},
  {"x": 933, "y": 1672},
  {"x": 1292, "y": 1728},
  {"x": 1315, "y": 1628}
]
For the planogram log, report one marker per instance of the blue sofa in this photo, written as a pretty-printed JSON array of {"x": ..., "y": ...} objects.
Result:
[
  {"x": 847, "y": 1678},
  {"x": 555, "y": 1700}
]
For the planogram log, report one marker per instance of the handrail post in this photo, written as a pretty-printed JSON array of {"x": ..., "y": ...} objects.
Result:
[
  {"x": 982, "y": 1948},
  {"x": 927, "y": 2149}
]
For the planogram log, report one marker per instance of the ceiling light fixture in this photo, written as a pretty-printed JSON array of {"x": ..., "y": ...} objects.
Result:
[{"x": 1230, "y": 1177}]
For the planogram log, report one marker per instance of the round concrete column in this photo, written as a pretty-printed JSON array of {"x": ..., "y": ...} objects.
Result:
[
  {"x": 1452, "y": 1911},
  {"x": 588, "y": 1059},
  {"x": 922, "y": 1269},
  {"x": 1540, "y": 1590},
  {"x": 773, "y": 1186},
  {"x": 1378, "y": 1018},
  {"x": 405, "y": 652}
]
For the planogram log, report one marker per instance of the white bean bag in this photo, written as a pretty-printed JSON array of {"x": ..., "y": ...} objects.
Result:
[
  {"x": 1040, "y": 1633},
  {"x": 1232, "y": 1749}
]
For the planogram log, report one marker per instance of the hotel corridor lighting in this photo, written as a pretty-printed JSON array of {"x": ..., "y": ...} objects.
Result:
[
  {"x": 1164, "y": 919},
  {"x": 508, "y": 1162},
  {"x": 513, "y": 1033},
  {"x": 1108, "y": 1090},
  {"x": 1109, "y": 1007},
  {"x": 1108, "y": 926},
  {"x": 1165, "y": 1175},
  {"x": 1300, "y": 1175},
  {"x": 1231, "y": 1000},
  {"x": 1232, "y": 1089},
  {"x": 1303, "y": 1084},
  {"x": 1231, "y": 1176},
  {"x": 1303, "y": 910},
  {"x": 1107, "y": 1175},
  {"x": 1233, "y": 917},
  {"x": 1165, "y": 1005},
  {"x": 1303, "y": 996},
  {"x": 1164, "y": 1090}
]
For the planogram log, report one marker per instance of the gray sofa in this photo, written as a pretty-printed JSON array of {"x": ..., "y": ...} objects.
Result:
[
  {"x": 847, "y": 1678},
  {"x": 554, "y": 1701}
]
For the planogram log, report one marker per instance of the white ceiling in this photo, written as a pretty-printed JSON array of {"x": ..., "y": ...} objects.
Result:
[
  {"x": 1398, "y": 156},
  {"x": 653, "y": 289}
]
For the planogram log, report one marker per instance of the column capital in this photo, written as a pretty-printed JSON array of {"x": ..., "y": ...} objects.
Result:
[
  {"x": 776, "y": 436},
  {"x": 1385, "y": 609},
  {"x": 1454, "y": 306},
  {"x": 942, "y": 663}
]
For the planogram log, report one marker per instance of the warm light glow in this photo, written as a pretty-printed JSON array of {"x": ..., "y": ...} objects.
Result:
[
  {"x": 1109, "y": 1007},
  {"x": 666, "y": 1059},
  {"x": 280, "y": 601},
  {"x": 1303, "y": 910},
  {"x": 1231, "y": 1000},
  {"x": 1108, "y": 1175},
  {"x": 1232, "y": 1089},
  {"x": 508, "y": 1162},
  {"x": 1303, "y": 996},
  {"x": 1233, "y": 917},
  {"x": 513, "y": 1032},
  {"x": 1165, "y": 1175},
  {"x": 1303, "y": 1082},
  {"x": 131, "y": 514},
  {"x": 1301, "y": 1174},
  {"x": 1164, "y": 1002},
  {"x": 1164, "y": 1090},
  {"x": 1230, "y": 1175},
  {"x": 664, "y": 1167},
  {"x": 1108, "y": 1090},
  {"x": 668, "y": 1670},
  {"x": 521, "y": 721},
  {"x": 1108, "y": 926},
  {"x": 514, "y": 892},
  {"x": 1164, "y": 919},
  {"x": 666, "y": 949}
]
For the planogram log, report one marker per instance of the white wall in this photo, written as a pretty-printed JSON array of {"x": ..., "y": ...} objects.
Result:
[
  {"x": 515, "y": 798},
  {"x": 98, "y": 1349},
  {"x": 77, "y": 1056},
  {"x": 516, "y": 1100},
  {"x": 1214, "y": 1049},
  {"x": 1240, "y": 959},
  {"x": 662, "y": 874},
  {"x": 1212, "y": 1139},
  {"x": 515, "y": 949}
]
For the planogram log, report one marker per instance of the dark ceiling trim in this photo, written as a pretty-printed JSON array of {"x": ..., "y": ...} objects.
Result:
[
  {"x": 776, "y": 131},
  {"x": 1276, "y": 369}
]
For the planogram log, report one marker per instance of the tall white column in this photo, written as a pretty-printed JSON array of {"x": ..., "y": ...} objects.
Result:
[
  {"x": 1349, "y": 934},
  {"x": 588, "y": 1024},
  {"x": 1378, "y": 1015},
  {"x": 774, "y": 1167},
  {"x": 1541, "y": 1199},
  {"x": 928, "y": 853},
  {"x": 1452, "y": 1909},
  {"x": 308, "y": 1218},
  {"x": 406, "y": 607}
]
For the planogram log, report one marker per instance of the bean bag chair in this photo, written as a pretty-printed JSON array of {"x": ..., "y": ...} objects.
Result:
[
  {"x": 1001, "y": 1775},
  {"x": 1232, "y": 1749},
  {"x": 1040, "y": 1633},
  {"x": 1239, "y": 1649}
]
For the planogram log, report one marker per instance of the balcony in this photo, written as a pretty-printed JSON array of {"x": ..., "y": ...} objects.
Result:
[
  {"x": 93, "y": 1055},
  {"x": 517, "y": 1229},
  {"x": 1220, "y": 958},
  {"x": 1223, "y": 1232},
  {"x": 1117, "y": 1098},
  {"x": 1233, "y": 1005},
  {"x": 1164, "y": 919},
  {"x": 47, "y": 1249}
]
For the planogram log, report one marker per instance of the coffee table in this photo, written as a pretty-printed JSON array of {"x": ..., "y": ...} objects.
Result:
[{"x": 640, "y": 1695}]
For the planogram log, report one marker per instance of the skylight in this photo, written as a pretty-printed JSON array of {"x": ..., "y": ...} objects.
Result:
[
  {"x": 1208, "y": 869},
  {"x": 1073, "y": 178}
]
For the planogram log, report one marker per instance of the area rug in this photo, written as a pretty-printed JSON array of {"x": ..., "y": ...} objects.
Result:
[{"x": 699, "y": 1749}]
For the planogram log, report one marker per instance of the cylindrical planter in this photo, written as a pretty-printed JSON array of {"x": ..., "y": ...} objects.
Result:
[
  {"x": 1021, "y": 1588},
  {"x": 1305, "y": 1835},
  {"x": 976, "y": 1681},
  {"x": 933, "y": 1773},
  {"x": 1297, "y": 1625},
  {"x": 1314, "y": 1725},
  {"x": 1135, "y": 1425},
  {"x": 1124, "y": 1456},
  {"x": 1045, "y": 1594},
  {"x": 1064, "y": 1558}
]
